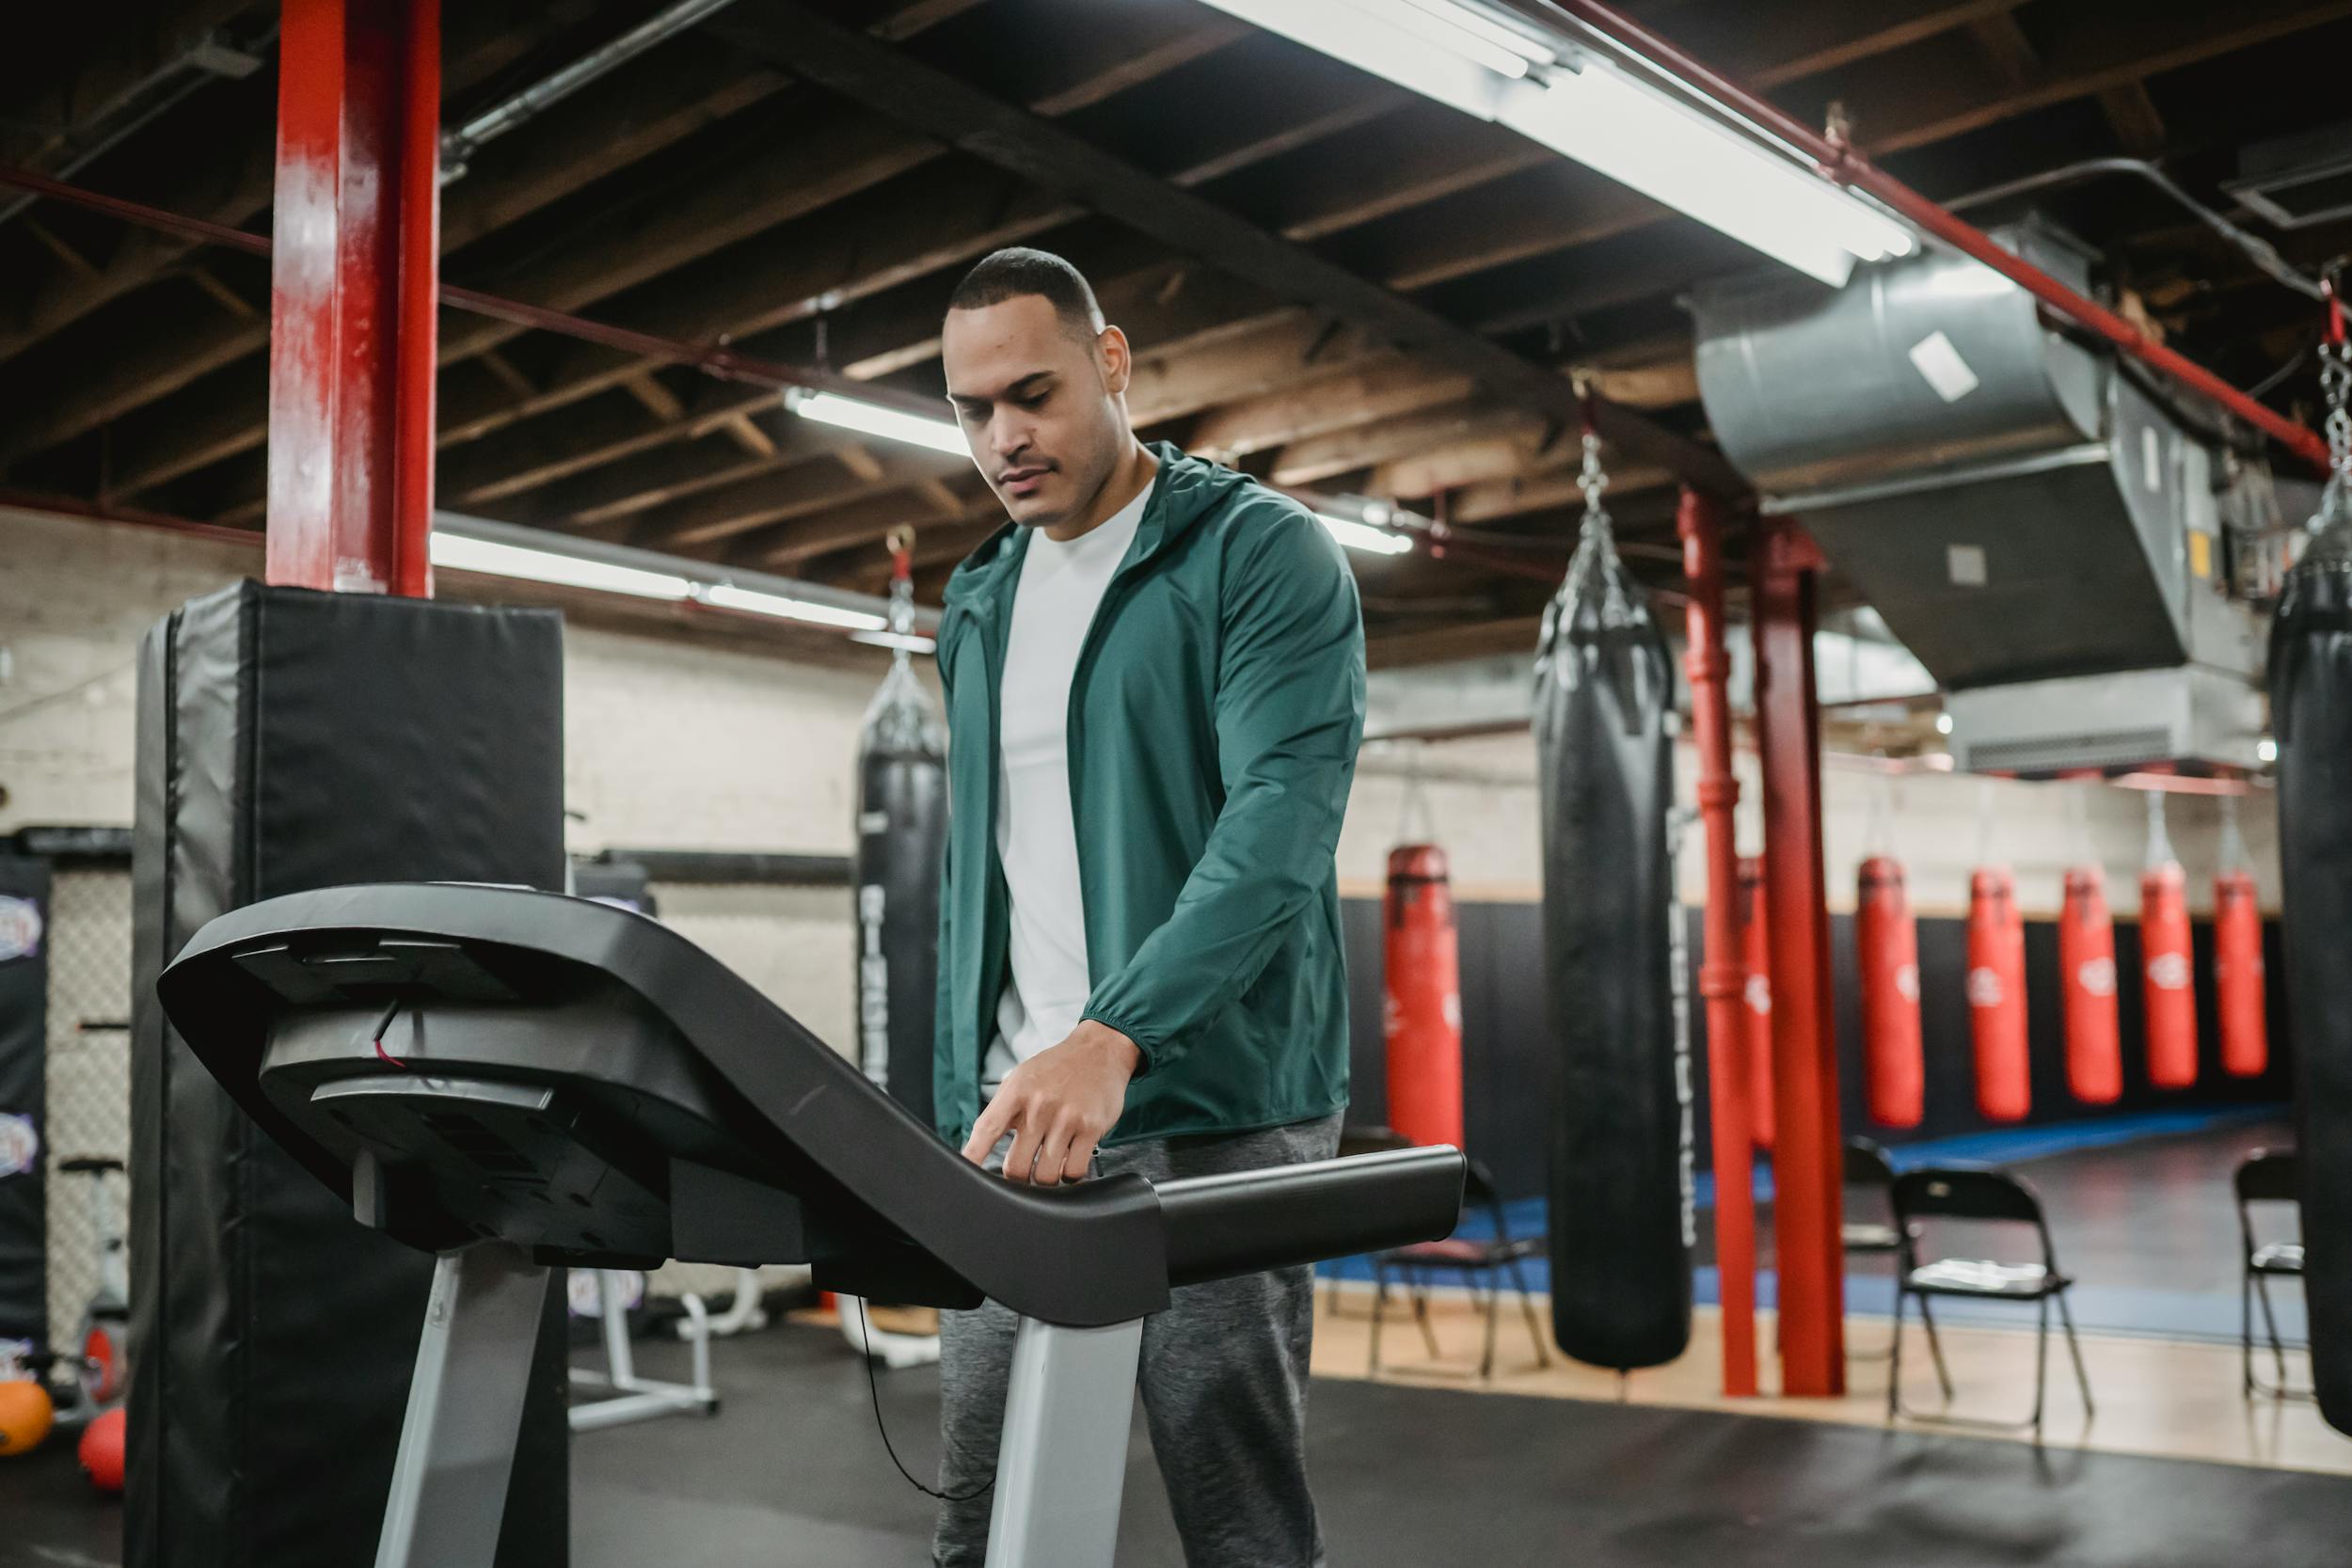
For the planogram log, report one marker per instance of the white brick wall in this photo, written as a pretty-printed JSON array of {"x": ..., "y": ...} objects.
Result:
[{"x": 688, "y": 746}]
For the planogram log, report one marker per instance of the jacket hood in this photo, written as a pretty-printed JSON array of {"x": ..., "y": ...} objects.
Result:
[{"x": 1186, "y": 490}]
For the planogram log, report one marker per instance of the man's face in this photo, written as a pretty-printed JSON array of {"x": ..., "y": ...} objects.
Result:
[{"x": 1038, "y": 403}]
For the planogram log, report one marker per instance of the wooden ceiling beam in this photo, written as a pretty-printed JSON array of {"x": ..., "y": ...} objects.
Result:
[
  {"x": 860, "y": 522},
  {"x": 2133, "y": 116},
  {"x": 813, "y": 161},
  {"x": 727, "y": 511},
  {"x": 1319, "y": 458},
  {"x": 1789, "y": 43},
  {"x": 797, "y": 39},
  {"x": 233, "y": 186},
  {"x": 647, "y": 105},
  {"x": 1383, "y": 389},
  {"x": 1296, "y": 345},
  {"x": 1944, "y": 87},
  {"x": 865, "y": 568},
  {"x": 1491, "y": 499}
]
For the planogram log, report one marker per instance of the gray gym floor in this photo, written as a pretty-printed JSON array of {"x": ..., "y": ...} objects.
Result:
[{"x": 792, "y": 1475}]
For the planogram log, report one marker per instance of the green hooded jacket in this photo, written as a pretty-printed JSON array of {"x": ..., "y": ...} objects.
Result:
[{"x": 1214, "y": 718}]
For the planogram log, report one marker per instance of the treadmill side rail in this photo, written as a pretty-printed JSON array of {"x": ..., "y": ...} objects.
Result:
[{"x": 465, "y": 1410}]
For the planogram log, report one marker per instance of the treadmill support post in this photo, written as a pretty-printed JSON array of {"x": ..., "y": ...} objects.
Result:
[
  {"x": 1061, "y": 1462},
  {"x": 465, "y": 1409}
]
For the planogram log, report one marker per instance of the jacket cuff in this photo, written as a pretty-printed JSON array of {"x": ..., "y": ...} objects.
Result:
[{"x": 1147, "y": 1048}]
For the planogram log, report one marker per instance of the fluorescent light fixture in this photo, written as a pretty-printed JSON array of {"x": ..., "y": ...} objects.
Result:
[
  {"x": 1363, "y": 536},
  {"x": 874, "y": 418},
  {"x": 1943, "y": 723},
  {"x": 1676, "y": 155},
  {"x": 459, "y": 553},
  {"x": 1479, "y": 60},
  {"x": 1385, "y": 40},
  {"x": 914, "y": 643},
  {"x": 725, "y": 596},
  {"x": 2266, "y": 750}
]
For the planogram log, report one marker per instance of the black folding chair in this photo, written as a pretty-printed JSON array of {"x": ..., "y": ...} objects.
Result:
[
  {"x": 1870, "y": 1177},
  {"x": 1475, "y": 1259},
  {"x": 1360, "y": 1140},
  {"x": 1961, "y": 1193},
  {"x": 2266, "y": 1176}
]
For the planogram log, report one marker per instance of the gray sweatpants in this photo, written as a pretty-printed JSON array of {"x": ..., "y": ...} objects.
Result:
[{"x": 1223, "y": 1377}]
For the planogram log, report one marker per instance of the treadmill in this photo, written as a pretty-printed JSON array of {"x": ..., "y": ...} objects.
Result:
[{"x": 515, "y": 1081}]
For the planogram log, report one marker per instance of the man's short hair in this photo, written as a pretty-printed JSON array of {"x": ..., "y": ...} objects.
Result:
[{"x": 1018, "y": 270}]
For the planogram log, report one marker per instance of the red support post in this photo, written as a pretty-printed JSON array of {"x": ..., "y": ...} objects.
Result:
[
  {"x": 354, "y": 274},
  {"x": 1723, "y": 973},
  {"x": 1808, "y": 1165}
]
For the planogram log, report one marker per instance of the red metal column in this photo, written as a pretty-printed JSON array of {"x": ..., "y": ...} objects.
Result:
[
  {"x": 354, "y": 274},
  {"x": 1723, "y": 974},
  {"x": 1807, "y": 1159}
]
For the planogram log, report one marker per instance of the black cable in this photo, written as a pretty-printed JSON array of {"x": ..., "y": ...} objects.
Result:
[{"x": 865, "y": 1348}]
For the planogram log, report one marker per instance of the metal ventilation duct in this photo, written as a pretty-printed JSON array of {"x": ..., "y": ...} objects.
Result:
[{"x": 2017, "y": 506}]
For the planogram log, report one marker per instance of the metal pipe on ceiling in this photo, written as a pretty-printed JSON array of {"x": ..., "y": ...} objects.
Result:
[
  {"x": 2261, "y": 252},
  {"x": 217, "y": 56},
  {"x": 527, "y": 105},
  {"x": 1846, "y": 167}
]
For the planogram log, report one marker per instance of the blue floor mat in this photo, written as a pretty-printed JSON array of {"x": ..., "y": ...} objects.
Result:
[{"x": 2104, "y": 1309}]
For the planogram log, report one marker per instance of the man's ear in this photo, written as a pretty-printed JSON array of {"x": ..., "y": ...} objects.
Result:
[{"x": 1115, "y": 360}]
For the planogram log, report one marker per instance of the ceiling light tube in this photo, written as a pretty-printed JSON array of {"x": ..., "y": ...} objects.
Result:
[
  {"x": 725, "y": 596},
  {"x": 1497, "y": 29},
  {"x": 1676, "y": 155},
  {"x": 1376, "y": 38},
  {"x": 874, "y": 418},
  {"x": 1363, "y": 536},
  {"x": 456, "y": 552},
  {"x": 1638, "y": 132}
]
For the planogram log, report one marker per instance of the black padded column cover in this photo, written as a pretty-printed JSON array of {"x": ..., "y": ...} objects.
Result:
[
  {"x": 24, "y": 1120},
  {"x": 2311, "y": 709},
  {"x": 290, "y": 740}
]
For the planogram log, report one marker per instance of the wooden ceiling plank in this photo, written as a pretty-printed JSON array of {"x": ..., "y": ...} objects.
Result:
[{"x": 797, "y": 39}]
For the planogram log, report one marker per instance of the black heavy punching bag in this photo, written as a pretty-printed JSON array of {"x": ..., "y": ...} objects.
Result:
[
  {"x": 2310, "y": 710},
  {"x": 901, "y": 839},
  {"x": 1620, "y": 1144}
]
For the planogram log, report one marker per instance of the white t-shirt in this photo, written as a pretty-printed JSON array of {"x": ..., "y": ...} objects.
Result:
[{"x": 1046, "y": 984}]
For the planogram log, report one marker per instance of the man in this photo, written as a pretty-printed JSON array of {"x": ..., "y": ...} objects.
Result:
[{"x": 1155, "y": 687}]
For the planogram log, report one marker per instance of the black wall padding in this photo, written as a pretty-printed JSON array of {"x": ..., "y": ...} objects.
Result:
[
  {"x": 2310, "y": 710},
  {"x": 1504, "y": 1044},
  {"x": 1620, "y": 1149},
  {"x": 25, "y": 1152},
  {"x": 290, "y": 740}
]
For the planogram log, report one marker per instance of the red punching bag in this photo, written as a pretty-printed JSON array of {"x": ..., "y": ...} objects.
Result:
[
  {"x": 1423, "y": 1013},
  {"x": 1756, "y": 1012},
  {"x": 1996, "y": 996},
  {"x": 2238, "y": 973},
  {"x": 1886, "y": 941},
  {"x": 2167, "y": 969},
  {"x": 2094, "y": 1048}
]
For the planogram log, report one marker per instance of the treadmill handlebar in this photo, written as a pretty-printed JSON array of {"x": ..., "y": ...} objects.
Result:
[{"x": 1222, "y": 1226}]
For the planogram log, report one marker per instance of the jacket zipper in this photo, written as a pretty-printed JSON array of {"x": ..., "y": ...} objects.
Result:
[
  {"x": 993, "y": 665},
  {"x": 1112, "y": 593}
]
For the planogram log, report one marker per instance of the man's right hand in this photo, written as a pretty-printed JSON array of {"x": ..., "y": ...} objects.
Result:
[{"x": 1058, "y": 1105}]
